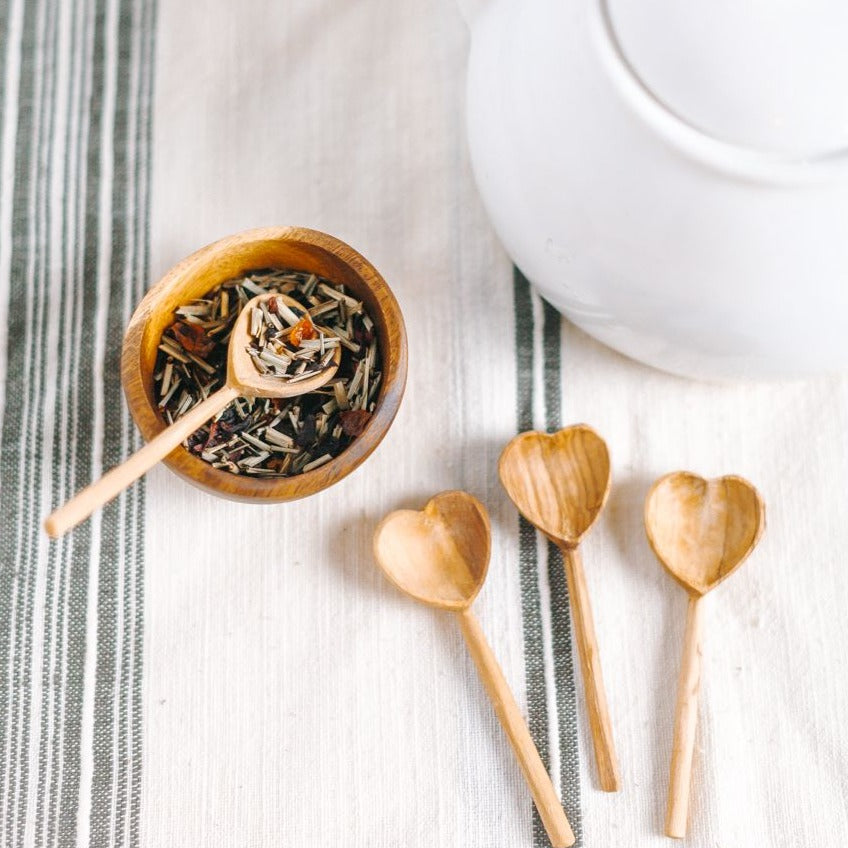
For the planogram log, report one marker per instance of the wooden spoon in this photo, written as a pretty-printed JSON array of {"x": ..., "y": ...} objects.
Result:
[
  {"x": 243, "y": 380},
  {"x": 560, "y": 483},
  {"x": 701, "y": 531},
  {"x": 440, "y": 557}
]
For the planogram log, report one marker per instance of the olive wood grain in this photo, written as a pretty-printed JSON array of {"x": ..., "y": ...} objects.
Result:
[
  {"x": 243, "y": 379},
  {"x": 560, "y": 482},
  {"x": 701, "y": 531},
  {"x": 113, "y": 482},
  {"x": 597, "y": 708},
  {"x": 296, "y": 248},
  {"x": 685, "y": 722},
  {"x": 509, "y": 715},
  {"x": 440, "y": 556}
]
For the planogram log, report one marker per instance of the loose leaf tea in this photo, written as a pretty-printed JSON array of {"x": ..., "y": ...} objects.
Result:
[
  {"x": 291, "y": 349},
  {"x": 272, "y": 437}
]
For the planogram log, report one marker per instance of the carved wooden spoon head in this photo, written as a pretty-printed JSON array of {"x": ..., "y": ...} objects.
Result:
[
  {"x": 702, "y": 530},
  {"x": 243, "y": 375},
  {"x": 559, "y": 482},
  {"x": 438, "y": 555}
]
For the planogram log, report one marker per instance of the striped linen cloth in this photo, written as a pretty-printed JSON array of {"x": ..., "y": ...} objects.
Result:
[{"x": 182, "y": 670}]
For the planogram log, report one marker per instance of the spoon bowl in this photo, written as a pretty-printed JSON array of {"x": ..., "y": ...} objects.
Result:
[
  {"x": 559, "y": 481},
  {"x": 702, "y": 530},
  {"x": 440, "y": 555},
  {"x": 243, "y": 375}
]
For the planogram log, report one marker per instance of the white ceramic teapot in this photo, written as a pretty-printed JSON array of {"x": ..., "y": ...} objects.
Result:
[{"x": 673, "y": 176}]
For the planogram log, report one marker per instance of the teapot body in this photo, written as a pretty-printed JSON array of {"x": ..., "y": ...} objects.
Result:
[{"x": 674, "y": 248}]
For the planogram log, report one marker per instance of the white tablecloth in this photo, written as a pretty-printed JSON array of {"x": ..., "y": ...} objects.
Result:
[{"x": 189, "y": 671}]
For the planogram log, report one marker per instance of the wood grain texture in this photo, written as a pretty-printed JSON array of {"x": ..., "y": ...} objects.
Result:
[
  {"x": 701, "y": 531},
  {"x": 440, "y": 556},
  {"x": 243, "y": 379},
  {"x": 509, "y": 715},
  {"x": 685, "y": 722},
  {"x": 242, "y": 374},
  {"x": 287, "y": 247},
  {"x": 92, "y": 497},
  {"x": 597, "y": 709},
  {"x": 560, "y": 483}
]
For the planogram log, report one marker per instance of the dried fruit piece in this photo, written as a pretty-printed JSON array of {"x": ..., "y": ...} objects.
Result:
[
  {"x": 193, "y": 338},
  {"x": 213, "y": 435},
  {"x": 354, "y": 421},
  {"x": 304, "y": 329}
]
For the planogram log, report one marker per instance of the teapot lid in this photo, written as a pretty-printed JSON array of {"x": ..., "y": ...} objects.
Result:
[{"x": 771, "y": 75}]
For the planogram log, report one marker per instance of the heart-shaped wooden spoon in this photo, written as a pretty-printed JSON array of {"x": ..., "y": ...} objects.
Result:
[
  {"x": 701, "y": 531},
  {"x": 243, "y": 379},
  {"x": 440, "y": 557},
  {"x": 560, "y": 482}
]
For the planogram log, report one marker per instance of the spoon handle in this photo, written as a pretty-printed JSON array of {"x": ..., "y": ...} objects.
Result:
[
  {"x": 113, "y": 482},
  {"x": 543, "y": 792},
  {"x": 685, "y": 723},
  {"x": 590, "y": 665}
]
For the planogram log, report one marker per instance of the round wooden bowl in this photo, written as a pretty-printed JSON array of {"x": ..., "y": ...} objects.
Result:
[{"x": 284, "y": 247}]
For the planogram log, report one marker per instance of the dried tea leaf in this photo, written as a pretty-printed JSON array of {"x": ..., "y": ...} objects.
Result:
[
  {"x": 362, "y": 334},
  {"x": 271, "y": 437},
  {"x": 230, "y": 422},
  {"x": 306, "y": 436},
  {"x": 195, "y": 442}
]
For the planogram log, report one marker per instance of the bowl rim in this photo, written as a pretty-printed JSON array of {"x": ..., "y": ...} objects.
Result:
[{"x": 269, "y": 489}]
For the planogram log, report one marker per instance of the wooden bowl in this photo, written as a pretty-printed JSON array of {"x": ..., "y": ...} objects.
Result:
[{"x": 285, "y": 247}]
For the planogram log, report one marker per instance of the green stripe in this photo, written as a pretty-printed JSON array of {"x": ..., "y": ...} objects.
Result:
[
  {"x": 130, "y": 778},
  {"x": 37, "y": 421},
  {"x": 85, "y": 284},
  {"x": 76, "y": 548},
  {"x": 5, "y": 8},
  {"x": 560, "y": 616},
  {"x": 143, "y": 185},
  {"x": 66, "y": 711},
  {"x": 15, "y": 572},
  {"x": 552, "y": 376},
  {"x": 57, "y": 562},
  {"x": 21, "y": 693},
  {"x": 534, "y": 661},
  {"x": 131, "y": 533},
  {"x": 29, "y": 250},
  {"x": 25, "y": 437},
  {"x": 562, "y": 643},
  {"x": 109, "y": 694}
]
